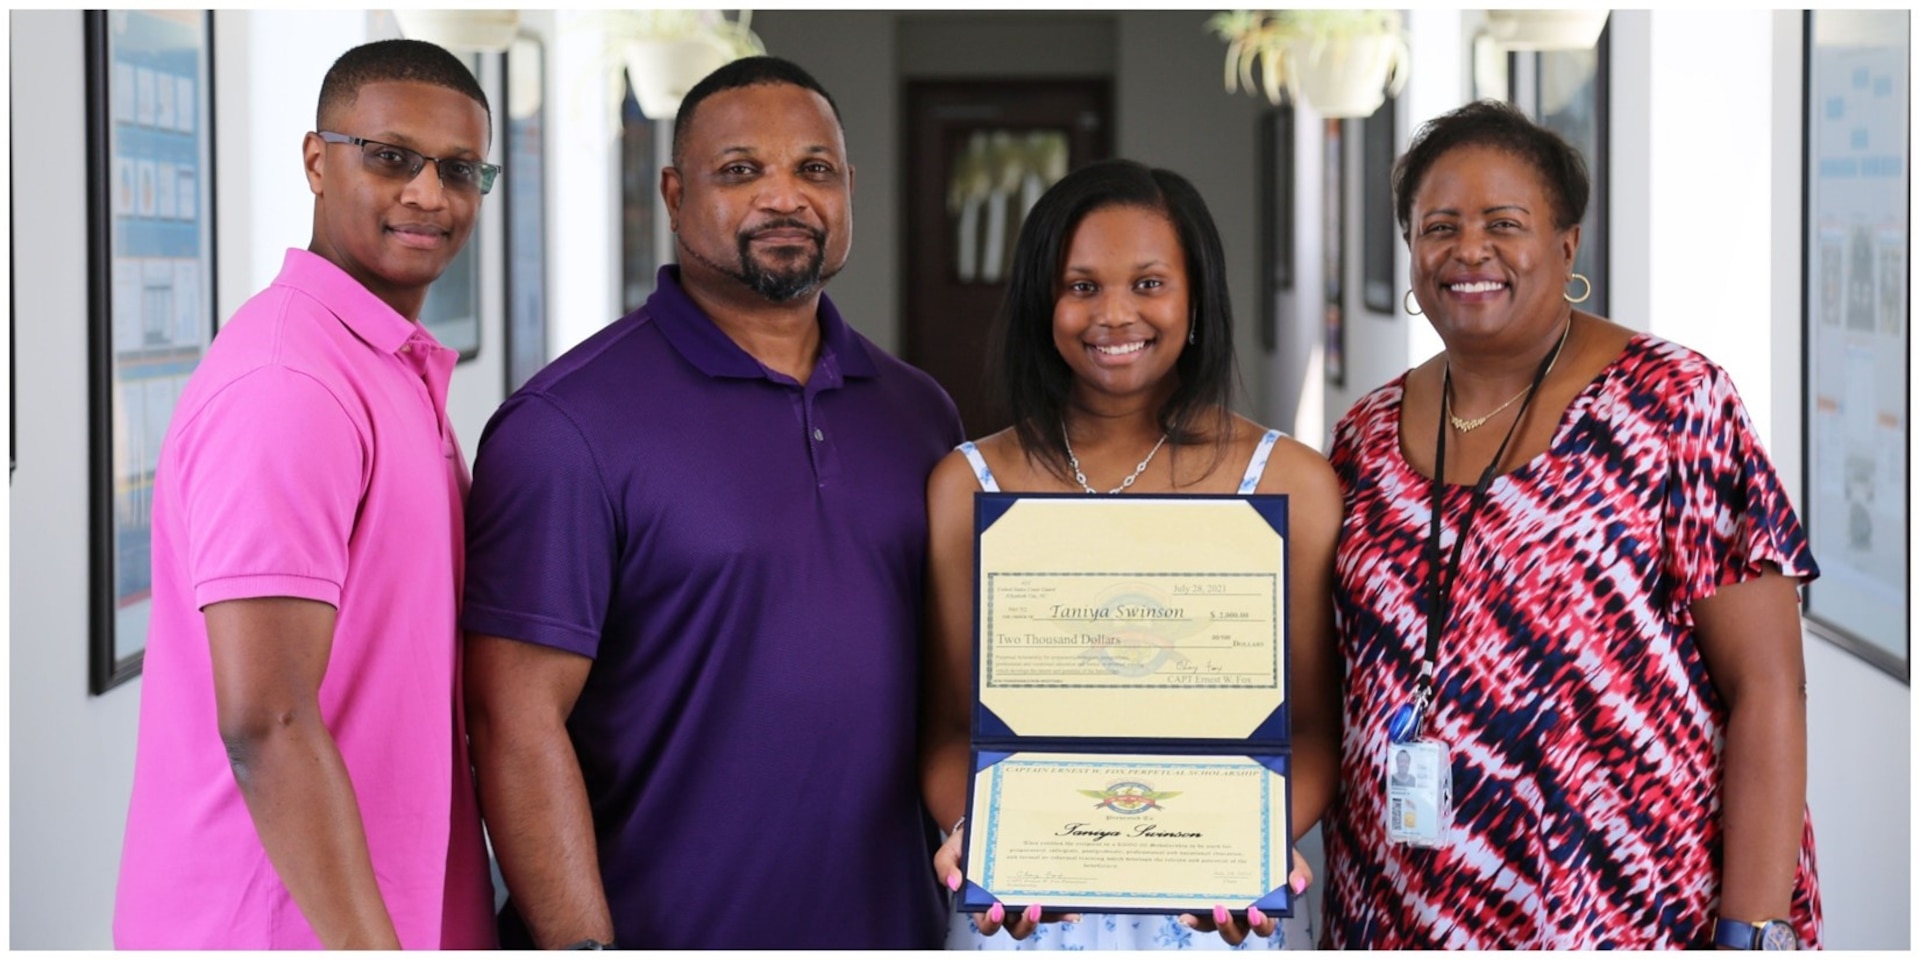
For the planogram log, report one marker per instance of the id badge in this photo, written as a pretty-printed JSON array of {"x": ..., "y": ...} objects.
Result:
[{"x": 1419, "y": 775}]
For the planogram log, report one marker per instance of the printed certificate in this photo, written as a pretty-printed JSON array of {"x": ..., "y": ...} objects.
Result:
[
  {"x": 1124, "y": 617},
  {"x": 1129, "y": 832}
]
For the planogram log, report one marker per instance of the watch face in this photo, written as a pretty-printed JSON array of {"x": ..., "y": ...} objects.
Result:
[{"x": 1778, "y": 935}]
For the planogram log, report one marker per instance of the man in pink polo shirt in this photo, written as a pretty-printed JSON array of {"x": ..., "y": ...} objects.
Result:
[{"x": 302, "y": 777}]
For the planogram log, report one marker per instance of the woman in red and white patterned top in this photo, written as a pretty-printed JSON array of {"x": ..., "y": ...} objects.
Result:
[{"x": 1617, "y": 686}]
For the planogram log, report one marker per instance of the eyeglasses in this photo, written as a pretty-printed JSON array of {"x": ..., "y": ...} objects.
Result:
[{"x": 399, "y": 163}]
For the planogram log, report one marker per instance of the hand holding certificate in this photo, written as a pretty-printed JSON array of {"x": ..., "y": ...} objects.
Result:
[{"x": 1087, "y": 830}]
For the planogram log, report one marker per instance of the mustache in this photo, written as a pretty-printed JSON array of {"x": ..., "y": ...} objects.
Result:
[{"x": 786, "y": 223}]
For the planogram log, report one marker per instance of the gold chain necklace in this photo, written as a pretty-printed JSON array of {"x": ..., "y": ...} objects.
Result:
[
  {"x": 1131, "y": 477},
  {"x": 1468, "y": 426}
]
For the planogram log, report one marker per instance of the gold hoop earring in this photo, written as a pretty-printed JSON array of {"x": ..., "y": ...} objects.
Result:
[
  {"x": 1407, "y": 301},
  {"x": 1584, "y": 294}
]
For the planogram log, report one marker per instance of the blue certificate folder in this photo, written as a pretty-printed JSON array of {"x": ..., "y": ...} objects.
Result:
[{"x": 1131, "y": 738}]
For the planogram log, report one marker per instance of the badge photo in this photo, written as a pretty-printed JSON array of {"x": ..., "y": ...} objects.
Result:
[{"x": 1419, "y": 781}]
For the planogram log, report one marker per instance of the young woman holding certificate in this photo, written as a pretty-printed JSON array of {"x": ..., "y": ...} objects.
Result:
[{"x": 1116, "y": 364}]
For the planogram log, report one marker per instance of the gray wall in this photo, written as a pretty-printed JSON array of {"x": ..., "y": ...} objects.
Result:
[
  {"x": 1173, "y": 113},
  {"x": 842, "y": 49}
]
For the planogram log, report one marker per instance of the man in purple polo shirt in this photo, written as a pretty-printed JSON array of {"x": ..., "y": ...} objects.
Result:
[
  {"x": 694, "y": 579},
  {"x": 301, "y": 778}
]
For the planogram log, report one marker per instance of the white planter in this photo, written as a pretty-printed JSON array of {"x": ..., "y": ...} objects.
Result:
[
  {"x": 1347, "y": 76},
  {"x": 487, "y": 31},
  {"x": 662, "y": 71},
  {"x": 1546, "y": 29}
]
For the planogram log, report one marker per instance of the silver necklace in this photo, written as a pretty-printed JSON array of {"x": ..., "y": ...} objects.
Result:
[
  {"x": 1131, "y": 477},
  {"x": 1468, "y": 426}
]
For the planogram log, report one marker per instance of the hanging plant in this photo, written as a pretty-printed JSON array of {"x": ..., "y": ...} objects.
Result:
[
  {"x": 665, "y": 52},
  {"x": 1343, "y": 63}
]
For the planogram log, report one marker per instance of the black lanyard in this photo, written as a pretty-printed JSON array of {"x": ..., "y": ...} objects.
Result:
[{"x": 1439, "y": 587}]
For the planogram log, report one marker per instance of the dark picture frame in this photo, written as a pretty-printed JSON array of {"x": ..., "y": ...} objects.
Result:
[
  {"x": 1276, "y": 199},
  {"x": 150, "y": 285},
  {"x": 640, "y": 203},
  {"x": 526, "y": 209},
  {"x": 1334, "y": 246},
  {"x": 1538, "y": 83},
  {"x": 451, "y": 311},
  {"x": 1378, "y": 226},
  {"x": 1856, "y": 330}
]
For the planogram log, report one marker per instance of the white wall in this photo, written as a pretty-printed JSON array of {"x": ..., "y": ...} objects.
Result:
[
  {"x": 71, "y": 755},
  {"x": 1630, "y": 208},
  {"x": 583, "y": 161},
  {"x": 1705, "y": 232}
]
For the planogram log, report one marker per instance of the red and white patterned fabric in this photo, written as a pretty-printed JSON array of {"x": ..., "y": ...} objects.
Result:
[{"x": 1586, "y": 733}]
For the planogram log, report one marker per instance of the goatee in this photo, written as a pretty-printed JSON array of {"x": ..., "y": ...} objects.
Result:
[{"x": 791, "y": 283}]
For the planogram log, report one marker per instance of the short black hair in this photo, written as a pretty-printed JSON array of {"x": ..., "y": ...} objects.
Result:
[
  {"x": 387, "y": 60},
  {"x": 1033, "y": 381},
  {"x": 746, "y": 72},
  {"x": 1500, "y": 126}
]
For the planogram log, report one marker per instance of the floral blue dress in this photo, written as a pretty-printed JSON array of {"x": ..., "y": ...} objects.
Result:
[{"x": 1106, "y": 931}]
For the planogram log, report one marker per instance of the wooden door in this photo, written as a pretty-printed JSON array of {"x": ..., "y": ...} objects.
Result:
[{"x": 979, "y": 153}]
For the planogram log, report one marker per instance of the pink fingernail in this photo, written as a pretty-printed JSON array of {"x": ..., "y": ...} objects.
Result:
[
  {"x": 1299, "y": 884},
  {"x": 997, "y": 913},
  {"x": 1220, "y": 915},
  {"x": 1032, "y": 913},
  {"x": 1255, "y": 917},
  {"x": 953, "y": 880}
]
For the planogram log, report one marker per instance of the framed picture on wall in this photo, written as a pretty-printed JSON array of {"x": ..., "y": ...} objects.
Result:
[
  {"x": 1276, "y": 218},
  {"x": 150, "y": 276},
  {"x": 526, "y": 211},
  {"x": 1334, "y": 245},
  {"x": 1378, "y": 227},
  {"x": 1856, "y": 314}
]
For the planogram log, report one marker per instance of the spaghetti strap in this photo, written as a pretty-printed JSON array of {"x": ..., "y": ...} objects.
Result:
[
  {"x": 1256, "y": 467},
  {"x": 980, "y": 471}
]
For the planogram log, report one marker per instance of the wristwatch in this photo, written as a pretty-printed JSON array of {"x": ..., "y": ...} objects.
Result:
[{"x": 1765, "y": 935}]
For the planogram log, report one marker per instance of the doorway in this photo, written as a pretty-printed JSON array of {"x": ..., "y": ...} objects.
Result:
[{"x": 979, "y": 154}]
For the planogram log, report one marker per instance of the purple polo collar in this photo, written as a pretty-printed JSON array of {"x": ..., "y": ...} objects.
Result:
[
  {"x": 369, "y": 317},
  {"x": 713, "y": 353}
]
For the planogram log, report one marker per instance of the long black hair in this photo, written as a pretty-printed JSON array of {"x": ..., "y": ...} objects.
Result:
[{"x": 1034, "y": 382}]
